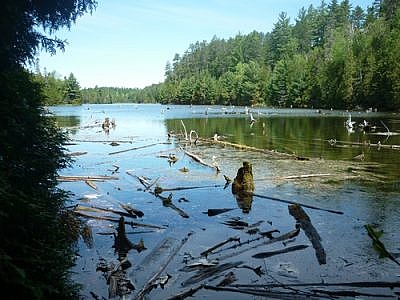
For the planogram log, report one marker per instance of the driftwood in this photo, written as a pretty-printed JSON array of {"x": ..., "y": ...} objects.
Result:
[
  {"x": 159, "y": 190},
  {"x": 84, "y": 178},
  {"x": 293, "y": 202},
  {"x": 283, "y": 237},
  {"x": 209, "y": 250},
  {"x": 281, "y": 251},
  {"x": 199, "y": 160},
  {"x": 136, "y": 148},
  {"x": 100, "y": 209},
  {"x": 131, "y": 223},
  {"x": 167, "y": 202},
  {"x": 77, "y": 153},
  {"x": 91, "y": 184},
  {"x": 305, "y": 223}
]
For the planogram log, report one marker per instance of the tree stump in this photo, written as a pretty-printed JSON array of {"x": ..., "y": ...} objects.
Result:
[{"x": 243, "y": 186}]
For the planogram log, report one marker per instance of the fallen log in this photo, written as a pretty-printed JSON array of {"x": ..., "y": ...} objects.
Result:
[
  {"x": 250, "y": 148},
  {"x": 199, "y": 160},
  {"x": 305, "y": 223},
  {"x": 293, "y": 202},
  {"x": 159, "y": 190},
  {"x": 91, "y": 184}
]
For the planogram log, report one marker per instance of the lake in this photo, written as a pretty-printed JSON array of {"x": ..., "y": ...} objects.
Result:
[{"x": 304, "y": 156}]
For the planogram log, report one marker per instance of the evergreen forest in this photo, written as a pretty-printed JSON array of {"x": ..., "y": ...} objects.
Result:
[{"x": 330, "y": 56}]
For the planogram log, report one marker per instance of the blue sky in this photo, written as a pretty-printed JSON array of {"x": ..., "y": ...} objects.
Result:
[{"x": 127, "y": 43}]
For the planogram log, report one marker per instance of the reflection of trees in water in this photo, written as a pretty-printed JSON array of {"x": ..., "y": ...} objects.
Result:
[
  {"x": 301, "y": 135},
  {"x": 72, "y": 123}
]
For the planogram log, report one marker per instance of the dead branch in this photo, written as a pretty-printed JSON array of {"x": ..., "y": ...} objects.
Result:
[
  {"x": 231, "y": 239},
  {"x": 293, "y": 202}
]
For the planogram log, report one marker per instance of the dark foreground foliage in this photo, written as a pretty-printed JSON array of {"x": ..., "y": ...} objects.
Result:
[{"x": 36, "y": 250}]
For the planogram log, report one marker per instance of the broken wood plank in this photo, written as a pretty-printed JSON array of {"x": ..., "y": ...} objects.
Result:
[{"x": 305, "y": 223}]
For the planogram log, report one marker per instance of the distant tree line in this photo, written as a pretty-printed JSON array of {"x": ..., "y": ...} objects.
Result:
[{"x": 331, "y": 56}]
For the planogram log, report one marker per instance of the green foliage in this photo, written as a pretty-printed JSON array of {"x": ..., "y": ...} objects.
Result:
[
  {"x": 36, "y": 251},
  {"x": 330, "y": 57}
]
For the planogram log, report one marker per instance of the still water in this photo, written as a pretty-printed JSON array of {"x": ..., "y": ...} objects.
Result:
[{"x": 356, "y": 171}]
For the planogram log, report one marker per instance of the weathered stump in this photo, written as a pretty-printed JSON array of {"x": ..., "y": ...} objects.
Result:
[{"x": 243, "y": 187}]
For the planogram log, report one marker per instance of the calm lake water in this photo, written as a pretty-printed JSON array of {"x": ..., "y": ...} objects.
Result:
[{"x": 353, "y": 171}]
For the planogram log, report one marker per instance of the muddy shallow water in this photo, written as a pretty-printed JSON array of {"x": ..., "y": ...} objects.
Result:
[{"x": 324, "y": 175}]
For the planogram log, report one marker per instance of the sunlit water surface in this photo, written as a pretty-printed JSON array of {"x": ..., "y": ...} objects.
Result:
[{"x": 359, "y": 176}]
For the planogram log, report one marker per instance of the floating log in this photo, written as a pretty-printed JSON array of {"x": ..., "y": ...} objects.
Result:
[
  {"x": 167, "y": 202},
  {"x": 305, "y": 223},
  {"x": 77, "y": 153}
]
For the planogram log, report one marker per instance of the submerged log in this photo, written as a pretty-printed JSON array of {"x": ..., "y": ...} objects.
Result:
[{"x": 305, "y": 223}]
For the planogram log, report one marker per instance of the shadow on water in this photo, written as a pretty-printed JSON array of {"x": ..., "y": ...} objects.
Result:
[{"x": 197, "y": 213}]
